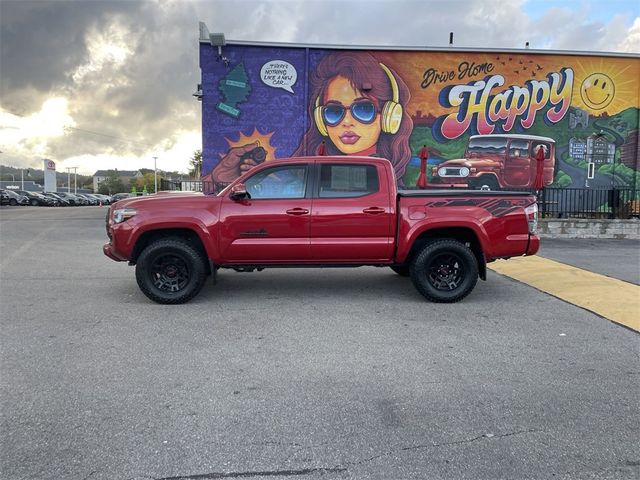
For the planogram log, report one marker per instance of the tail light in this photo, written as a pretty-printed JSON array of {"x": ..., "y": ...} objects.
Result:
[{"x": 532, "y": 217}]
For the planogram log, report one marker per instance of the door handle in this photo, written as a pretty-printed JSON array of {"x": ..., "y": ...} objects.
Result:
[
  {"x": 374, "y": 210},
  {"x": 297, "y": 211}
]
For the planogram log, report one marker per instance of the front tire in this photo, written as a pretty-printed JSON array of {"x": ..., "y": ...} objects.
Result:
[
  {"x": 444, "y": 271},
  {"x": 171, "y": 271}
]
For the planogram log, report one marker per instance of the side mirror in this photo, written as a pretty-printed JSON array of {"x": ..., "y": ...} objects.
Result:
[{"x": 239, "y": 192}]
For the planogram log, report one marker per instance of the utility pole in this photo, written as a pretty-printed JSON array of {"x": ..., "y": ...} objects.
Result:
[{"x": 155, "y": 175}]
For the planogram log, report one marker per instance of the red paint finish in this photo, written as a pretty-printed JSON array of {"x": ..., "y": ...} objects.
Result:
[{"x": 345, "y": 211}]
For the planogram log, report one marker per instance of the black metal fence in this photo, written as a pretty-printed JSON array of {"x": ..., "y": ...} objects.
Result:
[
  {"x": 589, "y": 203},
  {"x": 552, "y": 202}
]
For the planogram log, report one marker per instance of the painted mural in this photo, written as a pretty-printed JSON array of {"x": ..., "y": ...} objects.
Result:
[{"x": 455, "y": 119}]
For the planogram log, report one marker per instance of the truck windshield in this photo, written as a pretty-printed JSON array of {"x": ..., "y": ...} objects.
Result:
[{"x": 485, "y": 145}]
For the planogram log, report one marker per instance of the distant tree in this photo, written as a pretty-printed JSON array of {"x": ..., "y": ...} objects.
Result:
[
  {"x": 147, "y": 181},
  {"x": 196, "y": 164},
  {"x": 112, "y": 184}
]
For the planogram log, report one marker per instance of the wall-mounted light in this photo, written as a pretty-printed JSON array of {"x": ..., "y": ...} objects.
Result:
[{"x": 217, "y": 40}]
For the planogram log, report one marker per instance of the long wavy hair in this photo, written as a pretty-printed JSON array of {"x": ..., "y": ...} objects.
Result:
[{"x": 360, "y": 68}]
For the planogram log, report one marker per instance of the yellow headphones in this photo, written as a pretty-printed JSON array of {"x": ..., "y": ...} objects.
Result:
[{"x": 391, "y": 111}]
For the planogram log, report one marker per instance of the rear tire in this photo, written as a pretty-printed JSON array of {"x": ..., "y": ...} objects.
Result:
[
  {"x": 444, "y": 271},
  {"x": 171, "y": 271}
]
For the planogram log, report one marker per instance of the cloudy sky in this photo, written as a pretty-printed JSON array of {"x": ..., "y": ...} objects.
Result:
[{"x": 108, "y": 84}]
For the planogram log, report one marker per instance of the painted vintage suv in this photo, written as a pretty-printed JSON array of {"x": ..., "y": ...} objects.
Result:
[{"x": 494, "y": 162}]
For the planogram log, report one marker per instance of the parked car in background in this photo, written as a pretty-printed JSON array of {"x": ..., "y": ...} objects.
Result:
[
  {"x": 90, "y": 200},
  {"x": 61, "y": 201},
  {"x": 37, "y": 199},
  {"x": 119, "y": 196},
  {"x": 9, "y": 197},
  {"x": 105, "y": 199},
  {"x": 73, "y": 200}
]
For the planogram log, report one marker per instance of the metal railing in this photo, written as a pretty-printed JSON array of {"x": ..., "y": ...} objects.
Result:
[
  {"x": 589, "y": 202},
  {"x": 552, "y": 202}
]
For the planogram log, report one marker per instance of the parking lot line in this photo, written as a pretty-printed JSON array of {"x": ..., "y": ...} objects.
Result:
[{"x": 608, "y": 297}]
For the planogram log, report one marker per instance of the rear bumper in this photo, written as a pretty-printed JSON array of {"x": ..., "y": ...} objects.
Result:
[
  {"x": 110, "y": 252},
  {"x": 534, "y": 245}
]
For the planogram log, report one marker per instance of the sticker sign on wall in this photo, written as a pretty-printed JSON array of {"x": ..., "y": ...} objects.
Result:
[{"x": 279, "y": 74}]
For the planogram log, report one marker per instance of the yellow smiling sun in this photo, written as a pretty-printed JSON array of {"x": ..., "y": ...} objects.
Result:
[{"x": 597, "y": 91}]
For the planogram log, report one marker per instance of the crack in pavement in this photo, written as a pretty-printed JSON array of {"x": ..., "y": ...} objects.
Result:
[
  {"x": 337, "y": 468},
  {"x": 444, "y": 444},
  {"x": 269, "y": 473}
]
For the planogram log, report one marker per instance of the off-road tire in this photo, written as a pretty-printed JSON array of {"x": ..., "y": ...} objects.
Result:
[
  {"x": 444, "y": 271},
  {"x": 171, "y": 271},
  {"x": 402, "y": 270}
]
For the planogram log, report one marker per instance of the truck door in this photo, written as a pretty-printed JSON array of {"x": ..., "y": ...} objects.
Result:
[
  {"x": 352, "y": 215},
  {"x": 519, "y": 164},
  {"x": 273, "y": 225}
]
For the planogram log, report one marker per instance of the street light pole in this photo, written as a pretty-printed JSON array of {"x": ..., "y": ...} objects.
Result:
[
  {"x": 155, "y": 175},
  {"x": 75, "y": 180},
  {"x": 22, "y": 178},
  {"x": 69, "y": 179}
]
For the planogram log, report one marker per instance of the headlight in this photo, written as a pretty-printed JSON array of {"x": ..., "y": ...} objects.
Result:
[
  {"x": 442, "y": 171},
  {"x": 464, "y": 172},
  {"x": 122, "y": 214}
]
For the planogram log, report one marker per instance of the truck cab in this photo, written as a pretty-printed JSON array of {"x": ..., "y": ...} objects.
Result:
[{"x": 495, "y": 162}]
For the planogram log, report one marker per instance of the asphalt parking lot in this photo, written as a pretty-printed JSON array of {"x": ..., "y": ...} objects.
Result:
[{"x": 302, "y": 373}]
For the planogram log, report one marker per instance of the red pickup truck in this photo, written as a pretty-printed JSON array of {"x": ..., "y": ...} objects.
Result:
[{"x": 320, "y": 211}]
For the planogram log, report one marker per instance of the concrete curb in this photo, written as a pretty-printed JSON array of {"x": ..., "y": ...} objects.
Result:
[{"x": 588, "y": 228}]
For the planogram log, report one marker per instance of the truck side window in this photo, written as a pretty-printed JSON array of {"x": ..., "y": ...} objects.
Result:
[
  {"x": 519, "y": 148},
  {"x": 279, "y": 182},
  {"x": 340, "y": 180}
]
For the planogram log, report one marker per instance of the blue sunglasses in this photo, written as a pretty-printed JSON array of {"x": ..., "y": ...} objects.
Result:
[{"x": 362, "y": 110}]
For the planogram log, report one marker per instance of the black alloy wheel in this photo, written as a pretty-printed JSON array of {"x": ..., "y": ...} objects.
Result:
[
  {"x": 444, "y": 271},
  {"x": 171, "y": 271}
]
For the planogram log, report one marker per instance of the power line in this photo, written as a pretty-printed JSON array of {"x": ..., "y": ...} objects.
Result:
[
  {"x": 109, "y": 136},
  {"x": 122, "y": 139}
]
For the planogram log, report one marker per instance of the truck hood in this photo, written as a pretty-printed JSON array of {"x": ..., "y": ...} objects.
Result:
[{"x": 160, "y": 200}]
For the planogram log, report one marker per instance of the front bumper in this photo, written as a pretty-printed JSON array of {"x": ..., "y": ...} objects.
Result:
[{"x": 111, "y": 252}]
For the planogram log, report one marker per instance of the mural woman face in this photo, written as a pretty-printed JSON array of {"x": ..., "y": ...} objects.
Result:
[{"x": 352, "y": 120}]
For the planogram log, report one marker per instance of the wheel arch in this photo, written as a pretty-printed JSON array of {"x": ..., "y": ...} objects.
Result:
[
  {"x": 148, "y": 237},
  {"x": 462, "y": 234}
]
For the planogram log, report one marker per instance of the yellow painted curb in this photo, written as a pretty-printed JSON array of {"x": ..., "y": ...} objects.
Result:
[{"x": 610, "y": 298}]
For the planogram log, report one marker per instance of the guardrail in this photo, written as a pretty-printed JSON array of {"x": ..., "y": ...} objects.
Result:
[{"x": 552, "y": 202}]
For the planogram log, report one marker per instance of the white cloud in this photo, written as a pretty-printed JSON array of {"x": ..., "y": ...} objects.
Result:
[
  {"x": 631, "y": 40},
  {"x": 107, "y": 47},
  {"x": 28, "y": 138}
]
